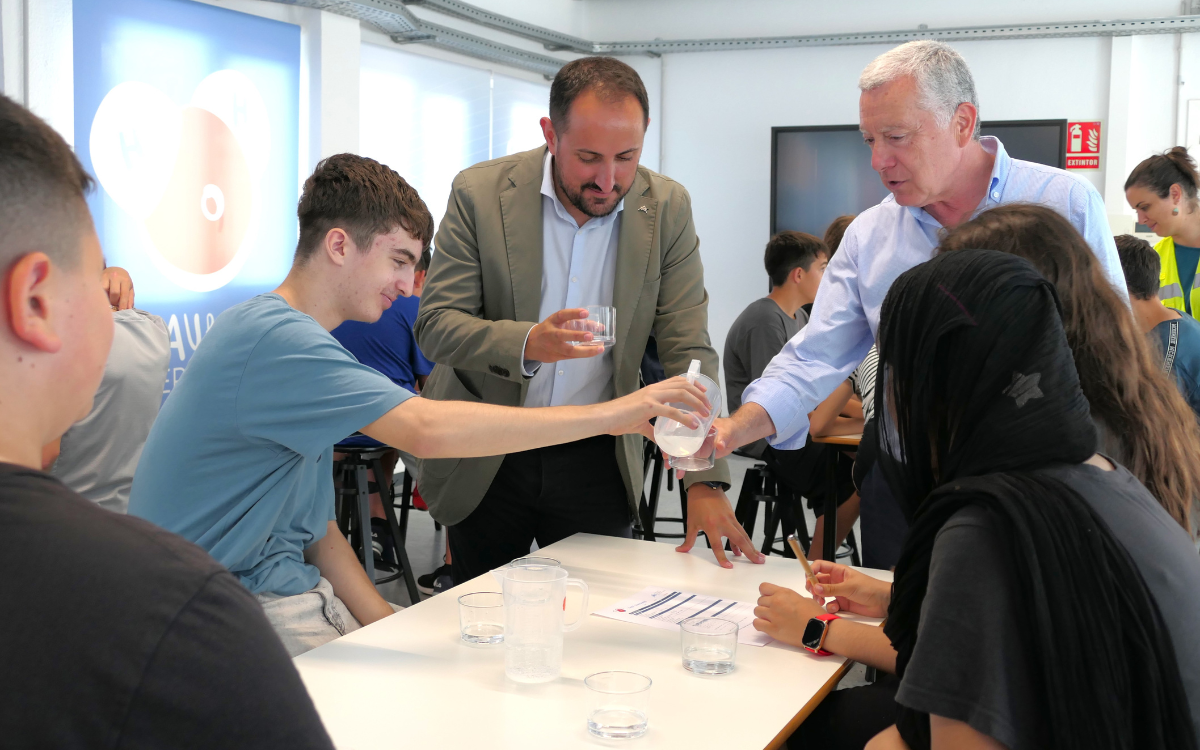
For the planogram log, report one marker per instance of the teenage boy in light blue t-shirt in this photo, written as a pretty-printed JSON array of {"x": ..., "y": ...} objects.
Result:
[
  {"x": 239, "y": 458},
  {"x": 1176, "y": 336}
]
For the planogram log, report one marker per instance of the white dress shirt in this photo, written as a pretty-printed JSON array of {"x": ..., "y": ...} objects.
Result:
[{"x": 578, "y": 269}]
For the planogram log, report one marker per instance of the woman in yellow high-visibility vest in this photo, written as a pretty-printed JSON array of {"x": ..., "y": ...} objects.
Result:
[{"x": 1162, "y": 189}]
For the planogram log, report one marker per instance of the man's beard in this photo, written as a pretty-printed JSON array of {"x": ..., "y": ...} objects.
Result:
[{"x": 575, "y": 198}]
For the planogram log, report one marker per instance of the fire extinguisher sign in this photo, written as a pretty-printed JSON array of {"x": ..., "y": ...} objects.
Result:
[{"x": 1083, "y": 145}]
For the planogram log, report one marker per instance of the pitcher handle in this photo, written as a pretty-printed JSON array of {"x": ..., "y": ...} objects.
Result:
[{"x": 583, "y": 607}]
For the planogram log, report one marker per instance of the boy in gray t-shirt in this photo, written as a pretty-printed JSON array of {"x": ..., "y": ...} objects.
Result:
[
  {"x": 100, "y": 452},
  {"x": 795, "y": 262}
]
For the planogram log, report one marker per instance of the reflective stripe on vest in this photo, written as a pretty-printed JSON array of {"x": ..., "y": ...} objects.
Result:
[{"x": 1170, "y": 290}]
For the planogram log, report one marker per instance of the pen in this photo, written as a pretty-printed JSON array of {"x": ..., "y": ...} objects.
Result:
[{"x": 808, "y": 573}]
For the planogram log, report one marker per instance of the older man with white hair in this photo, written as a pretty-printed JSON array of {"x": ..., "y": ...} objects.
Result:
[{"x": 919, "y": 114}]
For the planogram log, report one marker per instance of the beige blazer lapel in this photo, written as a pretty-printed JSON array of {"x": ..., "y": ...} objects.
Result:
[
  {"x": 634, "y": 244},
  {"x": 521, "y": 212}
]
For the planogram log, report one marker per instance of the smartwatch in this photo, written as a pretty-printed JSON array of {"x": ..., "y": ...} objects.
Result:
[{"x": 814, "y": 634}]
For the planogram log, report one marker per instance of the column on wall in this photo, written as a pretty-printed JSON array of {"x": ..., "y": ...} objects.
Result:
[
  {"x": 1143, "y": 112},
  {"x": 333, "y": 52}
]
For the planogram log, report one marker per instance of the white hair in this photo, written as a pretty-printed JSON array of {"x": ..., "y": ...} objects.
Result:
[{"x": 942, "y": 76}]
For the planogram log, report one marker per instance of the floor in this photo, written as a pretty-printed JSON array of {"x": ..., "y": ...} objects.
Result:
[{"x": 426, "y": 546}]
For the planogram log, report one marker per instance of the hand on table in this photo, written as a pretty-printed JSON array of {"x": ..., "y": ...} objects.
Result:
[
  {"x": 632, "y": 413},
  {"x": 119, "y": 286},
  {"x": 783, "y": 614},
  {"x": 547, "y": 340},
  {"x": 849, "y": 590},
  {"x": 708, "y": 510}
]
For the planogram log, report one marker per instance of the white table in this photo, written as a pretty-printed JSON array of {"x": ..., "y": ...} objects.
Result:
[{"x": 408, "y": 681}]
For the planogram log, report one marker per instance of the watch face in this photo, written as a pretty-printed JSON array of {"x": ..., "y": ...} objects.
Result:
[{"x": 813, "y": 632}]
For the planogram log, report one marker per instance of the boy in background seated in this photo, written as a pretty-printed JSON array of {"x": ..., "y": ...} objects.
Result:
[
  {"x": 795, "y": 263},
  {"x": 119, "y": 634},
  {"x": 99, "y": 454},
  {"x": 1181, "y": 357},
  {"x": 239, "y": 459}
]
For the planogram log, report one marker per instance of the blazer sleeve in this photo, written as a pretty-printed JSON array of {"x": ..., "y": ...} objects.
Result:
[
  {"x": 449, "y": 328},
  {"x": 681, "y": 319}
]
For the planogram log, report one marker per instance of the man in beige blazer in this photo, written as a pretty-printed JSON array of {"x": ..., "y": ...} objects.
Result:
[{"x": 538, "y": 236}]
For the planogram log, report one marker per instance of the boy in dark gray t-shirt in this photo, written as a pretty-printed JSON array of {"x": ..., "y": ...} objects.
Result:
[{"x": 795, "y": 263}]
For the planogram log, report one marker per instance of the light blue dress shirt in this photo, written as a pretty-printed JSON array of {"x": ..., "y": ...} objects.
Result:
[
  {"x": 883, "y": 242},
  {"x": 579, "y": 265},
  {"x": 238, "y": 461}
]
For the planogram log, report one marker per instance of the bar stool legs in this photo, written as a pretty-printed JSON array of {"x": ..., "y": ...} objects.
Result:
[
  {"x": 648, "y": 507},
  {"x": 354, "y": 513},
  {"x": 363, "y": 498}
]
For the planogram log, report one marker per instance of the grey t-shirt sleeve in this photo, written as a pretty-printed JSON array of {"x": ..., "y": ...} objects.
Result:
[{"x": 968, "y": 663}]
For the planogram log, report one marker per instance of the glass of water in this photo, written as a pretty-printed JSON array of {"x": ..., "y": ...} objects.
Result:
[
  {"x": 601, "y": 322},
  {"x": 709, "y": 644},
  {"x": 481, "y": 617},
  {"x": 618, "y": 704}
]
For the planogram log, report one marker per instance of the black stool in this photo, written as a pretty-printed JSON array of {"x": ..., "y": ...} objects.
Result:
[
  {"x": 783, "y": 517},
  {"x": 406, "y": 502},
  {"x": 354, "y": 517},
  {"x": 648, "y": 507}
]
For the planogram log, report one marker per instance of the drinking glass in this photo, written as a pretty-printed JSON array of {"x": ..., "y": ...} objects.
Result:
[
  {"x": 709, "y": 644},
  {"x": 690, "y": 448},
  {"x": 618, "y": 704},
  {"x": 601, "y": 322},
  {"x": 704, "y": 458},
  {"x": 481, "y": 617}
]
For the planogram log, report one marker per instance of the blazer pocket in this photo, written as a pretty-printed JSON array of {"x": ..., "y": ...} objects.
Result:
[
  {"x": 436, "y": 468},
  {"x": 448, "y": 384}
]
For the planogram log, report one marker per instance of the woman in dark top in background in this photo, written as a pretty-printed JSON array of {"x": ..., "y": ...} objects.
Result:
[
  {"x": 1144, "y": 422},
  {"x": 1017, "y": 615}
]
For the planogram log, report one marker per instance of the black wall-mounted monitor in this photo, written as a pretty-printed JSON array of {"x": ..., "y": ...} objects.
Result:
[{"x": 819, "y": 173}]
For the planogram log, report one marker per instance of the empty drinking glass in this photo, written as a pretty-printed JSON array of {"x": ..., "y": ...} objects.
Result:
[
  {"x": 601, "y": 322},
  {"x": 618, "y": 704},
  {"x": 481, "y": 617},
  {"x": 709, "y": 644}
]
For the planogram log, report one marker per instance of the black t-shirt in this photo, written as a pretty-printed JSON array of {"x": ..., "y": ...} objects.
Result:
[
  {"x": 119, "y": 634},
  {"x": 968, "y": 664}
]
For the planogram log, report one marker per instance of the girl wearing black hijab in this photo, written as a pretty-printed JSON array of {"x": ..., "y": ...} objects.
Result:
[
  {"x": 1019, "y": 617},
  {"x": 1015, "y": 610}
]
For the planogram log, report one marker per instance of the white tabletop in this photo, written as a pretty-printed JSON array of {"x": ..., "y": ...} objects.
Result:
[{"x": 408, "y": 681}]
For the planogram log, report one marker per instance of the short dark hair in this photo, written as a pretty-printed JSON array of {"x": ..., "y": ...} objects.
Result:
[
  {"x": 42, "y": 189},
  {"x": 425, "y": 260},
  {"x": 788, "y": 251},
  {"x": 361, "y": 196},
  {"x": 835, "y": 231},
  {"x": 610, "y": 78},
  {"x": 1141, "y": 265}
]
